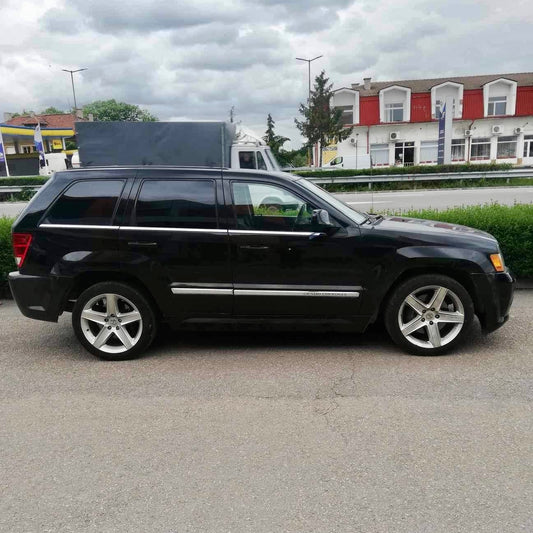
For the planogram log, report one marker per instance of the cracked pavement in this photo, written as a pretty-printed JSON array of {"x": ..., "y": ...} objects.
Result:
[{"x": 265, "y": 431}]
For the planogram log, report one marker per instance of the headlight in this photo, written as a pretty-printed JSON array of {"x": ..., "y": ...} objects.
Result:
[{"x": 497, "y": 262}]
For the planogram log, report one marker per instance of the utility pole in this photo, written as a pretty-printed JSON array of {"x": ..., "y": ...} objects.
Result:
[
  {"x": 72, "y": 72},
  {"x": 309, "y": 61}
]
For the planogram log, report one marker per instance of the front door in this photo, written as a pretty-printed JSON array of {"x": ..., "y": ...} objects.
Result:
[
  {"x": 175, "y": 244},
  {"x": 283, "y": 263}
]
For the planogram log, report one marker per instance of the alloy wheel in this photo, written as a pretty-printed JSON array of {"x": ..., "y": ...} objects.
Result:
[
  {"x": 111, "y": 323},
  {"x": 431, "y": 316}
]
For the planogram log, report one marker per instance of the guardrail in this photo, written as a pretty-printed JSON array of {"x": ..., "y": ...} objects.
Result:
[
  {"x": 369, "y": 178},
  {"x": 18, "y": 188}
]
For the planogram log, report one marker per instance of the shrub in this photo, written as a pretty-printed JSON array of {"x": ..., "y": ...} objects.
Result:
[
  {"x": 429, "y": 169},
  {"x": 511, "y": 225},
  {"x": 7, "y": 262},
  {"x": 23, "y": 180}
]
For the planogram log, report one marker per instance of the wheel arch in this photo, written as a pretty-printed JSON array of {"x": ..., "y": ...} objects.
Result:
[
  {"x": 87, "y": 279},
  {"x": 459, "y": 275}
]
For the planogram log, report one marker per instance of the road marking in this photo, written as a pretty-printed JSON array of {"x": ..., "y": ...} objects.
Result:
[{"x": 370, "y": 202}]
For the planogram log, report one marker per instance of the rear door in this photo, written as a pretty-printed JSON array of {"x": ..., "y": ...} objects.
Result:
[{"x": 176, "y": 241}]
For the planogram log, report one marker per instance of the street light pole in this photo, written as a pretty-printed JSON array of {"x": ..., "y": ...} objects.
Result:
[
  {"x": 72, "y": 72},
  {"x": 309, "y": 61}
]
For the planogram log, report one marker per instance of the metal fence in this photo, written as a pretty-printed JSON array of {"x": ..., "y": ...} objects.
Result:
[
  {"x": 505, "y": 174},
  {"x": 379, "y": 178}
]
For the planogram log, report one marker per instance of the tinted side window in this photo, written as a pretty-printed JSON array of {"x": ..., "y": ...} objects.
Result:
[
  {"x": 177, "y": 204},
  {"x": 261, "y": 206},
  {"x": 87, "y": 202}
]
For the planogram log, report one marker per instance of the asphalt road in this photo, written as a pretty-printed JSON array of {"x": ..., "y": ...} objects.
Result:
[
  {"x": 262, "y": 432},
  {"x": 438, "y": 199},
  {"x": 384, "y": 201}
]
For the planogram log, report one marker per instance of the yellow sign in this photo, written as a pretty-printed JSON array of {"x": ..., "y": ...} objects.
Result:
[
  {"x": 57, "y": 144},
  {"x": 329, "y": 153}
]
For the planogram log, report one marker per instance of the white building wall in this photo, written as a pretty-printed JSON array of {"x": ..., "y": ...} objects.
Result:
[{"x": 428, "y": 131}]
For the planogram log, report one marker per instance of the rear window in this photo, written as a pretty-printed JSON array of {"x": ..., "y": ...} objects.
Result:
[
  {"x": 86, "y": 202},
  {"x": 177, "y": 204}
]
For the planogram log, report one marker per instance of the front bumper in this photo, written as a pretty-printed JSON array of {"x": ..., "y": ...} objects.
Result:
[
  {"x": 39, "y": 297},
  {"x": 494, "y": 295}
]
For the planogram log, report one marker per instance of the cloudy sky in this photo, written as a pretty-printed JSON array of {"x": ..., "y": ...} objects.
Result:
[{"x": 195, "y": 59}]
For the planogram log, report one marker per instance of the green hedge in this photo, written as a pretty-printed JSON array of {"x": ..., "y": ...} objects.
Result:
[
  {"x": 7, "y": 262},
  {"x": 511, "y": 225},
  {"x": 429, "y": 169},
  {"x": 23, "y": 180}
]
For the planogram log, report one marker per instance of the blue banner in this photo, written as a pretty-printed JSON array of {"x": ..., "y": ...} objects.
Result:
[
  {"x": 39, "y": 146},
  {"x": 442, "y": 135},
  {"x": 3, "y": 161}
]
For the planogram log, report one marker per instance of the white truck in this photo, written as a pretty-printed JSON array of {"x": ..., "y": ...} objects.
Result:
[{"x": 205, "y": 144}]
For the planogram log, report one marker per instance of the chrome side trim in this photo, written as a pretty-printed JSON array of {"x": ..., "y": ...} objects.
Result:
[
  {"x": 174, "y": 230},
  {"x": 312, "y": 293},
  {"x": 198, "y": 290},
  {"x": 77, "y": 226},
  {"x": 258, "y": 232}
]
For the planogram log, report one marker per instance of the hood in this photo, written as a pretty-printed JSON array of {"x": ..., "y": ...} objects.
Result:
[{"x": 432, "y": 232}]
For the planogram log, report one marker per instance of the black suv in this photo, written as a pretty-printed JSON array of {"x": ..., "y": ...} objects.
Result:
[{"x": 125, "y": 249}]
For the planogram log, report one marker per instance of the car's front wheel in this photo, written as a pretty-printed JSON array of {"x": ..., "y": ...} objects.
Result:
[
  {"x": 429, "y": 314},
  {"x": 114, "y": 321}
]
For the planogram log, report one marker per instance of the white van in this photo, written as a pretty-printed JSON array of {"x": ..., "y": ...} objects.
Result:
[
  {"x": 57, "y": 161},
  {"x": 349, "y": 161}
]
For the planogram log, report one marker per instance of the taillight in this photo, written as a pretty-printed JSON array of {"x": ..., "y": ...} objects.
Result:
[{"x": 21, "y": 245}]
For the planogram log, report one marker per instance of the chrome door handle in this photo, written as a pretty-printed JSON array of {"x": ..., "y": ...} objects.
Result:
[
  {"x": 135, "y": 244},
  {"x": 252, "y": 247}
]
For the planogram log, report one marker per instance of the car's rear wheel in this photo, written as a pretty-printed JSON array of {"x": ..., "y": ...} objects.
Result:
[
  {"x": 114, "y": 321},
  {"x": 429, "y": 314}
]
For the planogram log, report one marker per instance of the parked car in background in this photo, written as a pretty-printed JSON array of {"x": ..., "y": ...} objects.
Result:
[{"x": 126, "y": 249}]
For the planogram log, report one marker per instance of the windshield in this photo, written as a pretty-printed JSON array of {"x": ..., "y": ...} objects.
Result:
[
  {"x": 357, "y": 217},
  {"x": 273, "y": 161}
]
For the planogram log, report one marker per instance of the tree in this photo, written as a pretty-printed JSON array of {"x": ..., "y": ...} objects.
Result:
[
  {"x": 108, "y": 110},
  {"x": 321, "y": 123},
  {"x": 23, "y": 113},
  {"x": 52, "y": 111},
  {"x": 275, "y": 142}
]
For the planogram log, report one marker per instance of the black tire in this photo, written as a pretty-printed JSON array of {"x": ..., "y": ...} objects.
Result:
[
  {"x": 424, "y": 285},
  {"x": 141, "y": 331}
]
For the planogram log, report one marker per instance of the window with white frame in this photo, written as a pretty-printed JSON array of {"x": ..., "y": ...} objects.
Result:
[
  {"x": 499, "y": 97},
  {"x": 429, "y": 151},
  {"x": 448, "y": 90},
  {"x": 480, "y": 149},
  {"x": 506, "y": 147},
  {"x": 497, "y": 105},
  {"x": 347, "y": 114},
  {"x": 347, "y": 101},
  {"x": 458, "y": 149},
  {"x": 528, "y": 146},
  {"x": 395, "y": 104},
  {"x": 379, "y": 155},
  {"x": 439, "y": 104},
  {"x": 394, "y": 112}
]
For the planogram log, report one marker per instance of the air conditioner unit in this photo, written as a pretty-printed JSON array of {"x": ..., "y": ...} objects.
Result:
[
  {"x": 394, "y": 136},
  {"x": 496, "y": 130},
  {"x": 468, "y": 133},
  {"x": 353, "y": 141},
  {"x": 518, "y": 131}
]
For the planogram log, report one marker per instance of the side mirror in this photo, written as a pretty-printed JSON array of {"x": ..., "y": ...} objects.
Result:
[{"x": 321, "y": 217}]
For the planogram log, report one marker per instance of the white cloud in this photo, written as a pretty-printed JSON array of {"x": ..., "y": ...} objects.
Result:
[{"x": 197, "y": 58}]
